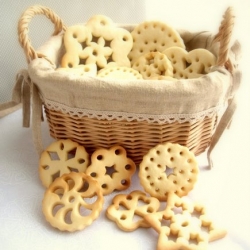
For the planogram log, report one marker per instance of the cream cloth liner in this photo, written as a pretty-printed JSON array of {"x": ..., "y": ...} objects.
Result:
[{"x": 178, "y": 101}]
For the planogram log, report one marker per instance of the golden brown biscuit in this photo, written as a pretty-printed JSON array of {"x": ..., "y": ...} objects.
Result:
[
  {"x": 168, "y": 167},
  {"x": 152, "y": 36},
  {"x": 125, "y": 207},
  {"x": 122, "y": 73},
  {"x": 81, "y": 70},
  {"x": 111, "y": 168},
  {"x": 153, "y": 64},
  {"x": 72, "y": 202},
  {"x": 99, "y": 42},
  {"x": 185, "y": 222},
  {"x": 191, "y": 64},
  {"x": 60, "y": 157}
]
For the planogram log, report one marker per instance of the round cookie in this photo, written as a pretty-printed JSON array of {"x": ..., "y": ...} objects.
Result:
[
  {"x": 72, "y": 202},
  {"x": 153, "y": 36},
  {"x": 168, "y": 168},
  {"x": 153, "y": 64},
  {"x": 121, "y": 73},
  {"x": 61, "y": 157}
]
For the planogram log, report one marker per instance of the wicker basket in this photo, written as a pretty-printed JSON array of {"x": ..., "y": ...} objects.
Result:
[{"x": 135, "y": 135}]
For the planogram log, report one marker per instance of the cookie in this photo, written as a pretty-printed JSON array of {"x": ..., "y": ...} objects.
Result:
[
  {"x": 125, "y": 208},
  {"x": 191, "y": 64},
  {"x": 153, "y": 64},
  {"x": 111, "y": 168},
  {"x": 168, "y": 167},
  {"x": 80, "y": 70},
  {"x": 121, "y": 73},
  {"x": 60, "y": 157},
  {"x": 183, "y": 224},
  {"x": 75, "y": 40},
  {"x": 152, "y": 36},
  {"x": 72, "y": 202},
  {"x": 99, "y": 41}
]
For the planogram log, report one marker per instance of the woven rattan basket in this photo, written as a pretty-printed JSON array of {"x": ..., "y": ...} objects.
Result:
[{"x": 137, "y": 136}]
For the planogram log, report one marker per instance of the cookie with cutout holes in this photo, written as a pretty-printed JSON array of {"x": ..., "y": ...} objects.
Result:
[{"x": 166, "y": 168}]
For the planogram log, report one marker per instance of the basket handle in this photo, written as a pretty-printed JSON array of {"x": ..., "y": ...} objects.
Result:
[
  {"x": 23, "y": 28},
  {"x": 224, "y": 37}
]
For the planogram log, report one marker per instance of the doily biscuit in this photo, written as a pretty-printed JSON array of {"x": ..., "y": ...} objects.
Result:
[
  {"x": 99, "y": 41},
  {"x": 111, "y": 168},
  {"x": 60, "y": 157},
  {"x": 166, "y": 168},
  {"x": 105, "y": 31},
  {"x": 120, "y": 73},
  {"x": 152, "y": 36},
  {"x": 191, "y": 64},
  {"x": 182, "y": 222},
  {"x": 125, "y": 208},
  {"x": 72, "y": 202},
  {"x": 75, "y": 40},
  {"x": 153, "y": 64}
]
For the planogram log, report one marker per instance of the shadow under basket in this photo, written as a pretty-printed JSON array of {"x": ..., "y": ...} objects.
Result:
[{"x": 137, "y": 137}]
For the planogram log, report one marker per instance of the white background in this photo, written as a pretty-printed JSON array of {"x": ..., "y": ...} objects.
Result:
[{"x": 225, "y": 189}]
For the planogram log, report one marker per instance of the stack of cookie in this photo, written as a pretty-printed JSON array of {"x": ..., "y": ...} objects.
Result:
[
  {"x": 77, "y": 183},
  {"x": 152, "y": 50}
]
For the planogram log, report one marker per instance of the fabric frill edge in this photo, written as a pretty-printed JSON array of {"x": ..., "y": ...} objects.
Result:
[{"x": 124, "y": 116}]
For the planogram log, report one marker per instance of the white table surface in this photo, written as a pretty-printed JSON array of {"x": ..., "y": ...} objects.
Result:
[{"x": 225, "y": 190}]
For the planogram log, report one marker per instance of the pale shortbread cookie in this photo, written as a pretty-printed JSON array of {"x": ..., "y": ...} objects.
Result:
[
  {"x": 125, "y": 207},
  {"x": 168, "y": 78},
  {"x": 121, "y": 73},
  {"x": 60, "y": 157},
  {"x": 99, "y": 41},
  {"x": 153, "y": 64},
  {"x": 81, "y": 70},
  {"x": 191, "y": 64},
  {"x": 153, "y": 36},
  {"x": 166, "y": 168},
  {"x": 183, "y": 220},
  {"x": 111, "y": 168},
  {"x": 75, "y": 40},
  {"x": 72, "y": 202}
]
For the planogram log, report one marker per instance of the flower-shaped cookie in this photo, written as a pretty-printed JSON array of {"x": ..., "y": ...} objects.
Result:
[
  {"x": 96, "y": 52},
  {"x": 60, "y": 157},
  {"x": 125, "y": 208},
  {"x": 111, "y": 168},
  {"x": 99, "y": 41},
  {"x": 72, "y": 202}
]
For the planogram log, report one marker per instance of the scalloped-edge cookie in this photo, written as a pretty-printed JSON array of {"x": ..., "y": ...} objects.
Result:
[
  {"x": 72, "y": 202},
  {"x": 111, "y": 168}
]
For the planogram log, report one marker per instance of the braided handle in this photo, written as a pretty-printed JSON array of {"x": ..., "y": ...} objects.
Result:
[
  {"x": 23, "y": 28},
  {"x": 224, "y": 37}
]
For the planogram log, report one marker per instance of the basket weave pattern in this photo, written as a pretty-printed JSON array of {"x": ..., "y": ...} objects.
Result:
[{"x": 136, "y": 137}]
